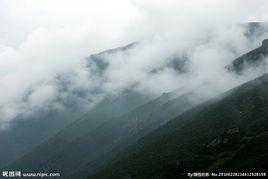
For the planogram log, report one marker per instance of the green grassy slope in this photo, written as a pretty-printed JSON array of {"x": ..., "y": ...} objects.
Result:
[{"x": 228, "y": 133}]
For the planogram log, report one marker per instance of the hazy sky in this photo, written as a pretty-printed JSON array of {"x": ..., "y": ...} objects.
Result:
[
  {"x": 44, "y": 40},
  {"x": 19, "y": 18}
]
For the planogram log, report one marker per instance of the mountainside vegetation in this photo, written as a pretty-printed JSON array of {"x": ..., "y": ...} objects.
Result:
[
  {"x": 78, "y": 145},
  {"x": 226, "y": 134}
]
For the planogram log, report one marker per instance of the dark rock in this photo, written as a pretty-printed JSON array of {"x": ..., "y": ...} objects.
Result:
[
  {"x": 214, "y": 143},
  {"x": 232, "y": 130},
  {"x": 265, "y": 43}
]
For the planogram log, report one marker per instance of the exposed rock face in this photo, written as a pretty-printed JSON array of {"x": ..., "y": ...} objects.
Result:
[
  {"x": 224, "y": 138},
  {"x": 214, "y": 143},
  {"x": 232, "y": 130}
]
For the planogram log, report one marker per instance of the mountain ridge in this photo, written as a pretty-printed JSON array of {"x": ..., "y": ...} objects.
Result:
[{"x": 252, "y": 59}]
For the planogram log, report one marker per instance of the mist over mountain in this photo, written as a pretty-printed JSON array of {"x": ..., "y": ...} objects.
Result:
[
  {"x": 38, "y": 127},
  {"x": 100, "y": 88},
  {"x": 105, "y": 128},
  {"x": 115, "y": 133},
  {"x": 47, "y": 68}
]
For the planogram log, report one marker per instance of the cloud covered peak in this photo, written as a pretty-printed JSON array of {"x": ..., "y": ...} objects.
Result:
[{"x": 45, "y": 49}]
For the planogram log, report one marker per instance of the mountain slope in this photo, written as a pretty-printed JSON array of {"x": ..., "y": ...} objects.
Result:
[
  {"x": 26, "y": 133},
  {"x": 117, "y": 134},
  {"x": 79, "y": 132},
  {"x": 35, "y": 129},
  {"x": 228, "y": 133},
  {"x": 251, "y": 59},
  {"x": 109, "y": 107},
  {"x": 90, "y": 149}
]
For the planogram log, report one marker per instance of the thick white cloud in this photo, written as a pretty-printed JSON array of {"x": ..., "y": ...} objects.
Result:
[
  {"x": 42, "y": 41},
  {"x": 19, "y": 18}
]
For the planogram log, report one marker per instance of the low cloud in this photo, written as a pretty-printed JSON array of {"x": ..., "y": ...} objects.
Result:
[{"x": 47, "y": 65}]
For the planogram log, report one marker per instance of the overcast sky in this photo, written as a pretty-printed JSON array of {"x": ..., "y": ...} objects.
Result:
[
  {"x": 19, "y": 19},
  {"x": 41, "y": 40}
]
